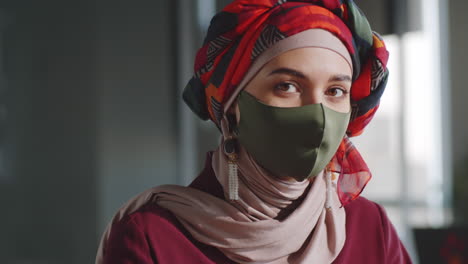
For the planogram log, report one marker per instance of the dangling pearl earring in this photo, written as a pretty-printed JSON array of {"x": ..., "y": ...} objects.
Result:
[{"x": 230, "y": 149}]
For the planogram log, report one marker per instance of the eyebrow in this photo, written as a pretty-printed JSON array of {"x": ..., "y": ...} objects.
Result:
[
  {"x": 288, "y": 71},
  {"x": 340, "y": 78},
  {"x": 292, "y": 72}
]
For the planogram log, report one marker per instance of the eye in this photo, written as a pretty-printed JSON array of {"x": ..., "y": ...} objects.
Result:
[
  {"x": 287, "y": 87},
  {"x": 336, "y": 92}
]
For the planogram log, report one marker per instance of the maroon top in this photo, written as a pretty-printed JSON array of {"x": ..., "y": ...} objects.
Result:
[{"x": 154, "y": 235}]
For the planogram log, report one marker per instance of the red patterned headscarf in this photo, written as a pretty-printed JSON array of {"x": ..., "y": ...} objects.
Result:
[{"x": 246, "y": 28}]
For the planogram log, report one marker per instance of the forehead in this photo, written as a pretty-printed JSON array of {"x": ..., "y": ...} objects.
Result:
[{"x": 311, "y": 61}]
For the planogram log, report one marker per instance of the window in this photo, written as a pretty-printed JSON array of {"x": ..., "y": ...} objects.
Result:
[{"x": 405, "y": 145}]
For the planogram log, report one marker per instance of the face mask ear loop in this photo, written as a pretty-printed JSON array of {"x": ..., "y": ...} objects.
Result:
[{"x": 230, "y": 149}]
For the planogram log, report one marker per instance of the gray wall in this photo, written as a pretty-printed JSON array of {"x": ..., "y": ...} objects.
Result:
[
  {"x": 137, "y": 100},
  {"x": 49, "y": 199},
  {"x": 458, "y": 22},
  {"x": 459, "y": 90},
  {"x": 91, "y": 120}
]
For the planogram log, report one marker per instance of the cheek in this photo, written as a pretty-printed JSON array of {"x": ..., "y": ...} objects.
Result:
[
  {"x": 265, "y": 93},
  {"x": 285, "y": 101},
  {"x": 259, "y": 91},
  {"x": 255, "y": 87},
  {"x": 261, "y": 87},
  {"x": 342, "y": 106}
]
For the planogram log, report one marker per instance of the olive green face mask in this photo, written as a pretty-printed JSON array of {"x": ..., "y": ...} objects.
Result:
[{"x": 293, "y": 142}]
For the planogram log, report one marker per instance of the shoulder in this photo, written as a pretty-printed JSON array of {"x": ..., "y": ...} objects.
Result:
[
  {"x": 143, "y": 213},
  {"x": 362, "y": 203},
  {"x": 370, "y": 216},
  {"x": 153, "y": 234},
  {"x": 148, "y": 216},
  {"x": 153, "y": 220},
  {"x": 365, "y": 215},
  {"x": 149, "y": 212},
  {"x": 129, "y": 241},
  {"x": 364, "y": 222},
  {"x": 370, "y": 235},
  {"x": 373, "y": 212}
]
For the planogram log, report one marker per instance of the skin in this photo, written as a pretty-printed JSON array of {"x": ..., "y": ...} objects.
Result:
[{"x": 303, "y": 76}]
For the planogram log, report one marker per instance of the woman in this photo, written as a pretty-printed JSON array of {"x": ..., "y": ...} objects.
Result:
[{"x": 286, "y": 82}]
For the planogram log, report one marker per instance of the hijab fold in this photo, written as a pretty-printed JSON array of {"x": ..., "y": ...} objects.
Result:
[{"x": 274, "y": 221}]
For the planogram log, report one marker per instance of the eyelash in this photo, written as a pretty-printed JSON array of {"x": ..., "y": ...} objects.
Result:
[
  {"x": 281, "y": 85},
  {"x": 284, "y": 84},
  {"x": 343, "y": 90}
]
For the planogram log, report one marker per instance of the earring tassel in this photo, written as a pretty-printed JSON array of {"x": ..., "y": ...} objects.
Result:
[
  {"x": 230, "y": 149},
  {"x": 328, "y": 179},
  {"x": 233, "y": 181}
]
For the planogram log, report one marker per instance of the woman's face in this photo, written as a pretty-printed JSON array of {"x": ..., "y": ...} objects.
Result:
[{"x": 304, "y": 76}]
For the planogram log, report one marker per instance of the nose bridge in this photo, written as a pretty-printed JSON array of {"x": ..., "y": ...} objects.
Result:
[{"x": 312, "y": 95}]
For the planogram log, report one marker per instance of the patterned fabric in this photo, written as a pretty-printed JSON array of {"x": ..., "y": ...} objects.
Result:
[{"x": 246, "y": 28}]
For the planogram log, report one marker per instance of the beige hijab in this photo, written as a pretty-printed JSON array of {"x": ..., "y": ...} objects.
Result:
[{"x": 273, "y": 221}]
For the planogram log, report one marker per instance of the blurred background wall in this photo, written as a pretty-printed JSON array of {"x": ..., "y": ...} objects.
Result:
[
  {"x": 458, "y": 21},
  {"x": 48, "y": 185},
  {"x": 90, "y": 101},
  {"x": 90, "y": 114}
]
